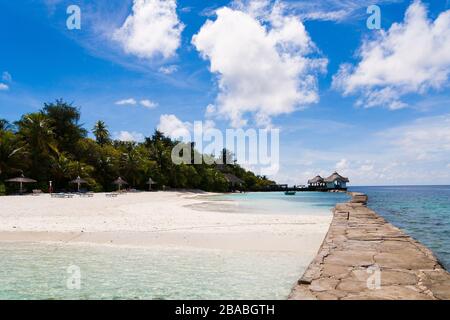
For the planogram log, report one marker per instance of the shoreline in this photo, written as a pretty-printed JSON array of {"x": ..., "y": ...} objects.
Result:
[
  {"x": 210, "y": 250},
  {"x": 158, "y": 219},
  {"x": 253, "y": 241},
  {"x": 365, "y": 257}
]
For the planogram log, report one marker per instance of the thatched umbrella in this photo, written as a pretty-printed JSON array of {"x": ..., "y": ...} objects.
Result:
[
  {"x": 78, "y": 181},
  {"x": 233, "y": 181},
  {"x": 119, "y": 181},
  {"x": 21, "y": 180},
  {"x": 150, "y": 182}
]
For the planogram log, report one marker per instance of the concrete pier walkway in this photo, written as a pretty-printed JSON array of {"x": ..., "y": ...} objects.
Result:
[{"x": 365, "y": 257}]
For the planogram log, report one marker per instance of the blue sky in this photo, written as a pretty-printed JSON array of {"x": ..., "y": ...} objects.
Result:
[{"x": 372, "y": 104}]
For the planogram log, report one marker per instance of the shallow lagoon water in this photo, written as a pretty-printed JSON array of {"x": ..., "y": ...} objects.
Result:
[
  {"x": 317, "y": 203},
  {"x": 40, "y": 271}
]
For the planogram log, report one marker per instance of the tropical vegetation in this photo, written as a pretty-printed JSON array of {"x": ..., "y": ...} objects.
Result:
[{"x": 52, "y": 145}]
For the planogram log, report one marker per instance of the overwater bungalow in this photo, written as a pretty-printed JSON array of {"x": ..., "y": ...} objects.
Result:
[
  {"x": 336, "y": 181},
  {"x": 333, "y": 182},
  {"x": 316, "y": 182}
]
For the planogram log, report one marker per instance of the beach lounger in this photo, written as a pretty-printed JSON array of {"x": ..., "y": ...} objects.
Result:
[
  {"x": 110, "y": 195},
  {"x": 36, "y": 192},
  {"x": 86, "y": 194},
  {"x": 62, "y": 195}
]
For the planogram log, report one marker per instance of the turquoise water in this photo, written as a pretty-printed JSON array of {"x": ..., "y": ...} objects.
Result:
[
  {"x": 317, "y": 203},
  {"x": 36, "y": 271},
  {"x": 423, "y": 212},
  {"x": 40, "y": 271}
]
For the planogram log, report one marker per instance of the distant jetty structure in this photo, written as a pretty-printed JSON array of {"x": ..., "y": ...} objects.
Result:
[{"x": 335, "y": 183}]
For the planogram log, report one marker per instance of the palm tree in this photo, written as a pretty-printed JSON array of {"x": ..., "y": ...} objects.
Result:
[
  {"x": 35, "y": 132},
  {"x": 64, "y": 168},
  {"x": 52, "y": 145},
  {"x": 10, "y": 153},
  {"x": 101, "y": 133},
  {"x": 4, "y": 125},
  {"x": 64, "y": 120},
  {"x": 131, "y": 163}
]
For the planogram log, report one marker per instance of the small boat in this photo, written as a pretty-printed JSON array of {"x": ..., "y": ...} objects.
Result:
[{"x": 289, "y": 193}]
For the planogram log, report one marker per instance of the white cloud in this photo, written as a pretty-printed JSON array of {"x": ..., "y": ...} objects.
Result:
[
  {"x": 129, "y": 136},
  {"x": 173, "y": 127},
  {"x": 6, "y": 76},
  {"x": 425, "y": 139},
  {"x": 148, "y": 104},
  {"x": 259, "y": 54},
  {"x": 130, "y": 101},
  {"x": 366, "y": 167},
  {"x": 337, "y": 15},
  {"x": 168, "y": 69},
  {"x": 152, "y": 30},
  {"x": 334, "y": 10},
  {"x": 3, "y": 87},
  {"x": 411, "y": 57},
  {"x": 210, "y": 110},
  {"x": 186, "y": 9},
  {"x": 342, "y": 164},
  {"x": 412, "y": 153},
  {"x": 415, "y": 152}
]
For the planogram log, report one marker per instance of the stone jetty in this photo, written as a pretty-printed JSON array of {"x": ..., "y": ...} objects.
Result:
[{"x": 365, "y": 257}]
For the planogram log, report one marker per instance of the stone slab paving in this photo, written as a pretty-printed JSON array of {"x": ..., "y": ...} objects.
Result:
[{"x": 365, "y": 257}]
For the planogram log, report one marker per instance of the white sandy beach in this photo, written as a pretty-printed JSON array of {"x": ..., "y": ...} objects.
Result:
[{"x": 162, "y": 219}]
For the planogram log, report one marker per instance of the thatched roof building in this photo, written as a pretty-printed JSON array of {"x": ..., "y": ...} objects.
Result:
[
  {"x": 316, "y": 181},
  {"x": 335, "y": 181},
  {"x": 336, "y": 177}
]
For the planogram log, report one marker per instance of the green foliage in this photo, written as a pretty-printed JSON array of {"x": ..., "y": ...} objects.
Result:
[
  {"x": 11, "y": 151},
  {"x": 51, "y": 145},
  {"x": 36, "y": 134},
  {"x": 4, "y": 125},
  {"x": 64, "y": 118},
  {"x": 101, "y": 133}
]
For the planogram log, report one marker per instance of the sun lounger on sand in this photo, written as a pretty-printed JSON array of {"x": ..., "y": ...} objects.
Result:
[
  {"x": 62, "y": 195},
  {"x": 112, "y": 194},
  {"x": 86, "y": 194},
  {"x": 37, "y": 192}
]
